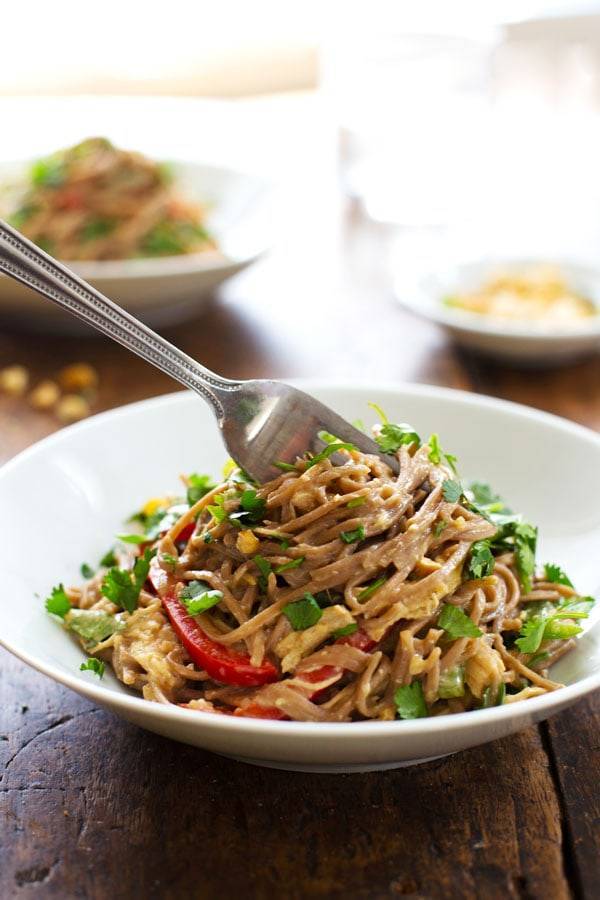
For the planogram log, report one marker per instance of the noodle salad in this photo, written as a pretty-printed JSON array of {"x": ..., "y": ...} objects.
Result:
[
  {"x": 93, "y": 201},
  {"x": 336, "y": 592}
]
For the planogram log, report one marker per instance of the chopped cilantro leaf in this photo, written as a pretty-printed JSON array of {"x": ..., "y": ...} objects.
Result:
[
  {"x": 345, "y": 631},
  {"x": 481, "y": 560},
  {"x": 410, "y": 701},
  {"x": 556, "y": 575},
  {"x": 437, "y": 455},
  {"x": 356, "y": 534},
  {"x": 291, "y": 564},
  {"x": 556, "y": 630},
  {"x": 96, "y": 228},
  {"x": 197, "y": 597},
  {"x": 169, "y": 559},
  {"x": 546, "y": 624},
  {"x": 456, "y": 623},
  {"x": 285, "y": 467},
  {"x": 93, "y": 625},
  {"x": 109, "y": 559},
  {"x": 58, "y": 603},
  {"x": 304, "y": 613},
  {"x": 217, "y": 510},
  {"x": 531, "y": 635},
  {"x": 452, "y": 491},
  {"x": 392, "y": 437},
  {"x": 49, "y": 172},
  {"x": 357, "y": 501},
  {"x": 198, "y": 486},
  {"x": 86, "y": 571},
  {"x": 133, "y": 538},
  {"x": 329, "y": 450},
  {"x": 123, "y": 587},
  {"x": 93, "y": 665},
  {"x": 439, "y": 527}
]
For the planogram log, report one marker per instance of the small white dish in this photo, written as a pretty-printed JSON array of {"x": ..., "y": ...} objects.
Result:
[
  {"x": 165, "y": 289},
  {"x": 64, "y": 498},
  {"x": 532, "y": 343}
]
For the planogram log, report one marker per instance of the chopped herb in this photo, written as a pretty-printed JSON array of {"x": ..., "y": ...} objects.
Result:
[
  {"x": 380, "y": 412},
  {"x": 169, "y": 559},
  {"x": 351, "y": 537},
  {"x": 123, "y": 587},
  {"x": 436, "y": 454},
  {"x": 410, "y": 701},
  {"x": 452, "y": 683},
  {"x": 481, "y": 560},
  {"x": 484, "y": 496},
  {"x": 285, "y": 467},
  {"x": 370, "y": 590},
  {"x": 520, "y": 537},
  {"x": 392, "y": 437},
  {"x": 545, "y": 624},
  {"x": 556, "y": 575},
  {"x": 439, "y": 527},
  {"x": 253, "y": 509},
  {"x": 109, "y": 559},
  {"x": 493, "y": 696},
  {"x": 97, "y": 228},
  {"x": 456, "y": 623},
  {"x": 327, "y": 438},
  {"x": 556, "y": 630},
  {"x": 358, "y": 423},
  {"x": 357, "y": 501},
  {"x": 264, "y": 567},
  {"x": 49, "y": 172},
  {"x": 86, "y": 571},
  {"x": 93, "y": 665},
  {"x": 328, "y": 597},
  {"x": 346, "y": 630},
  {"x": 58, "y": 603},
  {"x": 291, "y": 564},
  {"x": 197, "y": 597},
  {"x": 531, "y": 635},
  {"x": 93, "y": 625},
  {"x": 217, "y": 510},
  {"x": 452, "y": 491},
  {"x": 303, "y": 614},
  {"x": 284, "y": 544},
  {"x": 207, "y": 537},
  {"x": 133, "y": 538},
  {"x": 198, "y": 486},
  {"x": 537, "y": 659},
  {"x": 329, "y": 451}
]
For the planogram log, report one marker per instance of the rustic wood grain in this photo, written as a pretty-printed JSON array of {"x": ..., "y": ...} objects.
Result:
[{"x": 92, "y": 807}]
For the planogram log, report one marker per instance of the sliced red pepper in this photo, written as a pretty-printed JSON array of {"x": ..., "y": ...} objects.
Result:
[
  {"x": 360, "y": 640},
  {"x": 69, "y": 198},
  {"x": 186, "y": 533}
]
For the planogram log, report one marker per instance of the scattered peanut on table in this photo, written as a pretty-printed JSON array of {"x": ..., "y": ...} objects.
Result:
[{"x": 68, "y": 395}]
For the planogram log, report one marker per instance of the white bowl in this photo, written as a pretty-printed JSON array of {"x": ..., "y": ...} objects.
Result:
[
  {"x": 163, "y": 290},
  {"x": 533, "y": 343},
  {"x": 63, "y": 499}
]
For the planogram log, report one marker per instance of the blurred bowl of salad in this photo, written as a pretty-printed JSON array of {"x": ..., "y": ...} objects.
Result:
[
  {"x": 157, "y": 237},
  {"x": 527, "y": 311}
]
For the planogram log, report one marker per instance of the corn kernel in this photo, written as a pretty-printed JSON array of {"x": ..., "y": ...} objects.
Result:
[
  {"x": 45, "y": 395},
  {"x": 247, "y": 542},
  {"x": 14, "y": 380},
  {"x": 72, "y": 408},
  {"x": 78, "y": 377},
  {"x": 154, "y": 504}
]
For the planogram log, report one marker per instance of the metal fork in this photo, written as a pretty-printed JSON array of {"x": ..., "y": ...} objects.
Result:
[{"x": 262, "y": 422}]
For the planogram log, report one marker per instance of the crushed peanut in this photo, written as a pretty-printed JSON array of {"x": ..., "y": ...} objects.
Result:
[
  {"x": 78, "y": 377},
  {"x": 72, "y": 408},
  {"x": 247, "y": 542},
  {"x": 14, "y": 380},
  {"x": 45, "y": 395}
]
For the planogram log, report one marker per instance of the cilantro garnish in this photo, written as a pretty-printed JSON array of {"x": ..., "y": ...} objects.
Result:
[
  {"x": 93, "y": 665},
  {"x": 356, "y": 534},
  {"x": 392, "y": 437},
  {"x": 436, "y": 454},
  {"x": 481, "y": 560},
  {"x": 329, "y": 450},
  {"x": 439, "y": 527},
  {"x": 521, "y": 538},
  {"x": 123, "y": 587},
  {"x": 545, "y": 625},
  {"x": 169, "y": 559},
  {"x": 96, "y": 228},
  {"x": 285, "y": 467},
  {"x": 264, "y": 567},
  {"x": 556, "y": 575},
  {"x": 109, "y": 559},
  {"x": 304, "y": 613},
  {"x": 58, "y": 603},
  {"x": 456, "y": 623},
  {"x": 217, "y": 510},
  {"x": 410, "y": 701},
  {"x": 133, "y": 538},
  {"x": 86, "y": 571},
  {"x": 452, "y": 491},
  {"x": 370, "y": 590},
  {"x": 290, "y": 564},
  {"x": 346, "y": 630},
  {"x": 198, "y": 486},
  {"x": 483, "y": 495},
  {"x": 252, "y": 510},
  {"x": 197, "y": 597}
]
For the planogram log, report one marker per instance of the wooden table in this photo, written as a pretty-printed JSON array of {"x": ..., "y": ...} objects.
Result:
[{"x": 93, "y": 807}]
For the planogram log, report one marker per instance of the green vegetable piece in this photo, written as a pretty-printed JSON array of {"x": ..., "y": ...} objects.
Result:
[
  {"x": 351, "y": 628},
  {"x": 97, "y": 228},
  {"x": 93, "y": 665},
  {"x": 329, "y": 451},
  {"x": 357, "y": 501},
  {"x": 531, "y": 635},
  {"x": 556, "y": 575},
  {"x": 58, "y": 603},
  {"x": 123, "y": 587},
  {"x": 410, "y": 701},
  {"x": 304, "y": 613},
  {"x": 436, "y": 454},
  {"x": 392, "y": 437},
  {"x": 86, "y": 571},
  {"x": 133, "y": 538},
  {"x": 370, "y": 590},
  {"x": 93, "y": 625},
  {"x": 285, "y": 467},
  {"x": 439, "y": 527},
  {"x": 481, "y": 560},
  {"x": 109, "y": 559},
  {"x": 456, "y": 623},
  {"x": 356, "y": 534},
  {"x": 197, "y": 597},
  {"x": 452, "y": 683},
  {"x": 291, "y": 564},
  {"x": 493, "y": 696},
  {"x": 49, "y": 172},
  {"x": 452, "y": 491},
  {"x": 198, "y": 487},
  {"x": 217, "y": 510},
  {"x": 556, "y": 630}
]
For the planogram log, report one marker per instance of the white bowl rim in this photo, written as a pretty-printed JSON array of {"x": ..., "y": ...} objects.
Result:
[
  {"x": 535, "y": 707},
  {"x": 454, "y": 317},
  {"x": 162, "y": 266}
]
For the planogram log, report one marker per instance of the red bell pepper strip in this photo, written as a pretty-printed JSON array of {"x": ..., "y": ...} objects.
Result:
[
  {"x": 360, "y": 640},
  {"x": 186, "y": 533}
]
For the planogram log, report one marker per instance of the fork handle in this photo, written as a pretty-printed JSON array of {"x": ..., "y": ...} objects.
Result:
[{"x": 25, "y": 262}]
